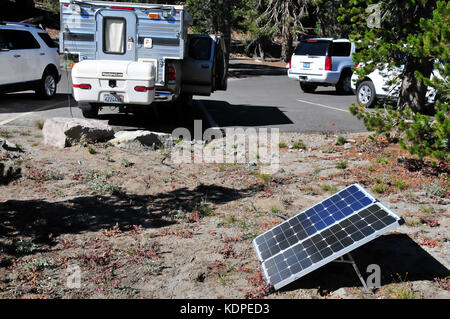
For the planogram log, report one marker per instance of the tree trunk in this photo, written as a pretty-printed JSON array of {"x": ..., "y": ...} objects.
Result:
[{"x": 413, "y": 91}]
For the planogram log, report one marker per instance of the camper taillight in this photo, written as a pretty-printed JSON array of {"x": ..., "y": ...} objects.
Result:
[
  {"x": 82, "y": 86},
  {"x": 143, "y": 88}
]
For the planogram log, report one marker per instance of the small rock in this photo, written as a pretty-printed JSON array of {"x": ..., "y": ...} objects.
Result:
[
  {"x": 8, "y": 146},
  {"x": 141, "y": 138},
  {"x": 347, "y": 146},
  {"x": 341, "y": 292},
  {"x": 63, "y": 132}
]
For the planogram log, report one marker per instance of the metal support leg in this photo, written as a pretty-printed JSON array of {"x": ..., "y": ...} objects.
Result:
[{"x": 352, "y": 262}]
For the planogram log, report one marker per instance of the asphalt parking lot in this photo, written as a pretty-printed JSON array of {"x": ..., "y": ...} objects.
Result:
[{"x": 257, "y": 96}]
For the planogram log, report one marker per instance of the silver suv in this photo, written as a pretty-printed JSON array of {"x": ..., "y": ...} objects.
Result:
[
  {"x": 323, "y": 62},
  {"x": 29, "y": 60}
]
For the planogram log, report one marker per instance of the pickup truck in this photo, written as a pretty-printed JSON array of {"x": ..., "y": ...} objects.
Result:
[{"x": 133, "y": 54}]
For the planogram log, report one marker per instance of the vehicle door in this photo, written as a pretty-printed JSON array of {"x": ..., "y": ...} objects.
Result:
[
  {"x": 220, "y": 69},
  {"x": 19, "y": 62},
  {"x": 116, "y": 34},
  {"x": 29, "y": 53},
  {"x": 198, "y": 65},
  {"x": 9, "y": 65}
]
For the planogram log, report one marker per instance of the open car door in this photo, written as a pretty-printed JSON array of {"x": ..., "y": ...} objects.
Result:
[{"x": 205, "y": 65}]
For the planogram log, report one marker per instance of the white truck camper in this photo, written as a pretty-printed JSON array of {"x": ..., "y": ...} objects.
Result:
[{"x": 133, "y": 54}]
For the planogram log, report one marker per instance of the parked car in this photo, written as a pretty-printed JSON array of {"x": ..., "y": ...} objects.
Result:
[
  {"x": 29, "y": 60},
  {"x": 383, "y": 83},
  {"x": 322, "y": 62}
]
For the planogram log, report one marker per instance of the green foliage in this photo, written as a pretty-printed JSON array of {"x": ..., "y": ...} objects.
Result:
[
  {"x": 342, "y": 165},
  {"x": 341, "y": 140},
  {"x": 420, "y": 29}
]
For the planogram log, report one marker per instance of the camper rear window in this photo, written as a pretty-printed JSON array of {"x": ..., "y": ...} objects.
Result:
[{"x": 114, "y": 35}]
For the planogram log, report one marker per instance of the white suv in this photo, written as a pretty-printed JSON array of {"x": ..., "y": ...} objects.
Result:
[
  {"x": 384, "y": 83},
  {"x": 29, "y": 60},
  {"x": 322, "y": 62}
]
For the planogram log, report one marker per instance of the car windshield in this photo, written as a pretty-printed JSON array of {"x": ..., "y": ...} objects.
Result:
[{"x": 312, "y": 48}]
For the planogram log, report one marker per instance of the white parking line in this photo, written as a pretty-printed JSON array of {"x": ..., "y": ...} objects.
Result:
[
  {"x": 28, "y": 113},
  {"x": 327, "y": 106}
]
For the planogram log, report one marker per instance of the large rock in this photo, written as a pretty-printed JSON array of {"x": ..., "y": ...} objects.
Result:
[
  {"x": 62, "y": 132},
  {"x": 140, "y": 138}
]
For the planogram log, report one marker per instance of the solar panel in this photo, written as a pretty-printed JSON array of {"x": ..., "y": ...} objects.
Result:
[{"x": 322, "y": 233}]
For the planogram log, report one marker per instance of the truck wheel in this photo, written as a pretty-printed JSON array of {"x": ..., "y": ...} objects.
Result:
[
  {"x": 345, "y": 83},
  {"x": 47, "y": 86},
  {"x": 308, "y": 88},
  {"x": 365, "y": 94},
  {"x": 90, "y": 111}
]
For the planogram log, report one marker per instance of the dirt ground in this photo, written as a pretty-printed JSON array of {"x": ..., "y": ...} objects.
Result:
[{"x": 137, "y": 225}]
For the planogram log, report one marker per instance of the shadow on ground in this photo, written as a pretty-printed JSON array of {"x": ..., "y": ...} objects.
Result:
[
  {"x": 230, "y": 115},
  {"x": 399, "y": 257},
  {"x": 42, "y": 220},
  {"x": 244, "y": 70},
  {"x": 28, "y": 102}
]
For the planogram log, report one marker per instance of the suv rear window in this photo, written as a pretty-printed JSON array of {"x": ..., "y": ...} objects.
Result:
[
  {"x": 341, "y": 48},
  {"x": 48, "y": 41},
  {"x": 319, "y": 48}
]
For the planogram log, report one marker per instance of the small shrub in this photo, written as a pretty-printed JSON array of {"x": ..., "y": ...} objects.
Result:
[
  {"x": 341, "y": 140},
  {"x": 342, "y": 165},
  {"x": 329, "y": 188},
  {"x": 402, "y": 292},
  {"x": 282, "y": 145},
  {"x": 92, "y": 150},
  {"x": 264, "y": 177},
  {"x": 38, "y": 264},
  {"x": 230, "y": 219},
  {"x": 206, "y": 210},
  {"x": 382, "y": 160},
  {"x": 434, "y": 190},
  {"x": 400, "y": 185},
  {"x": 380, "y": 188},
  {"x": 299, "y": 144},
  {"x": 54, "y": 176},
  {"x": 5, "y": 134},
  {"x": 39, "y": 124},
  {"x": 274, "y": 210}
]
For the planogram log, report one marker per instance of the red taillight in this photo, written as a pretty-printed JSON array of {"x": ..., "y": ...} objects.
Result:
[
  {"x": 82, "y": 86},
  {"x": 328, "y": 63},
  {"x": 312, "y": 41},
  {"x": 143, "y": 88},
  {"x": 121, "y": 8},
  {"x": 172, "y": 76}
]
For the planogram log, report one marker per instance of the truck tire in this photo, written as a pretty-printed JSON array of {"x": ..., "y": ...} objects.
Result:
[
  {"x": 365, "y": 94},
  {"x": 308, "y": 88},
  {"x": 47, "y": 86},
  {"x": 90, "y": 112},
  {"x": 344, "y": 84}
]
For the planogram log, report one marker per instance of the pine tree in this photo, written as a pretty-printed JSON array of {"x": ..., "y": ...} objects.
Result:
[{"x": 419, "y": 30}]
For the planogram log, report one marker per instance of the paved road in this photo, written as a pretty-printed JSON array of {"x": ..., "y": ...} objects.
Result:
[
  {"x": 264, "y": 97},
  {"x": 257, "y": 96}
]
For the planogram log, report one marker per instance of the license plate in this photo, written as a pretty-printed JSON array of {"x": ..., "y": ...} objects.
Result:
[
  {"x": 112, "y": 98},
  {"x": 306, "y": 65}
]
